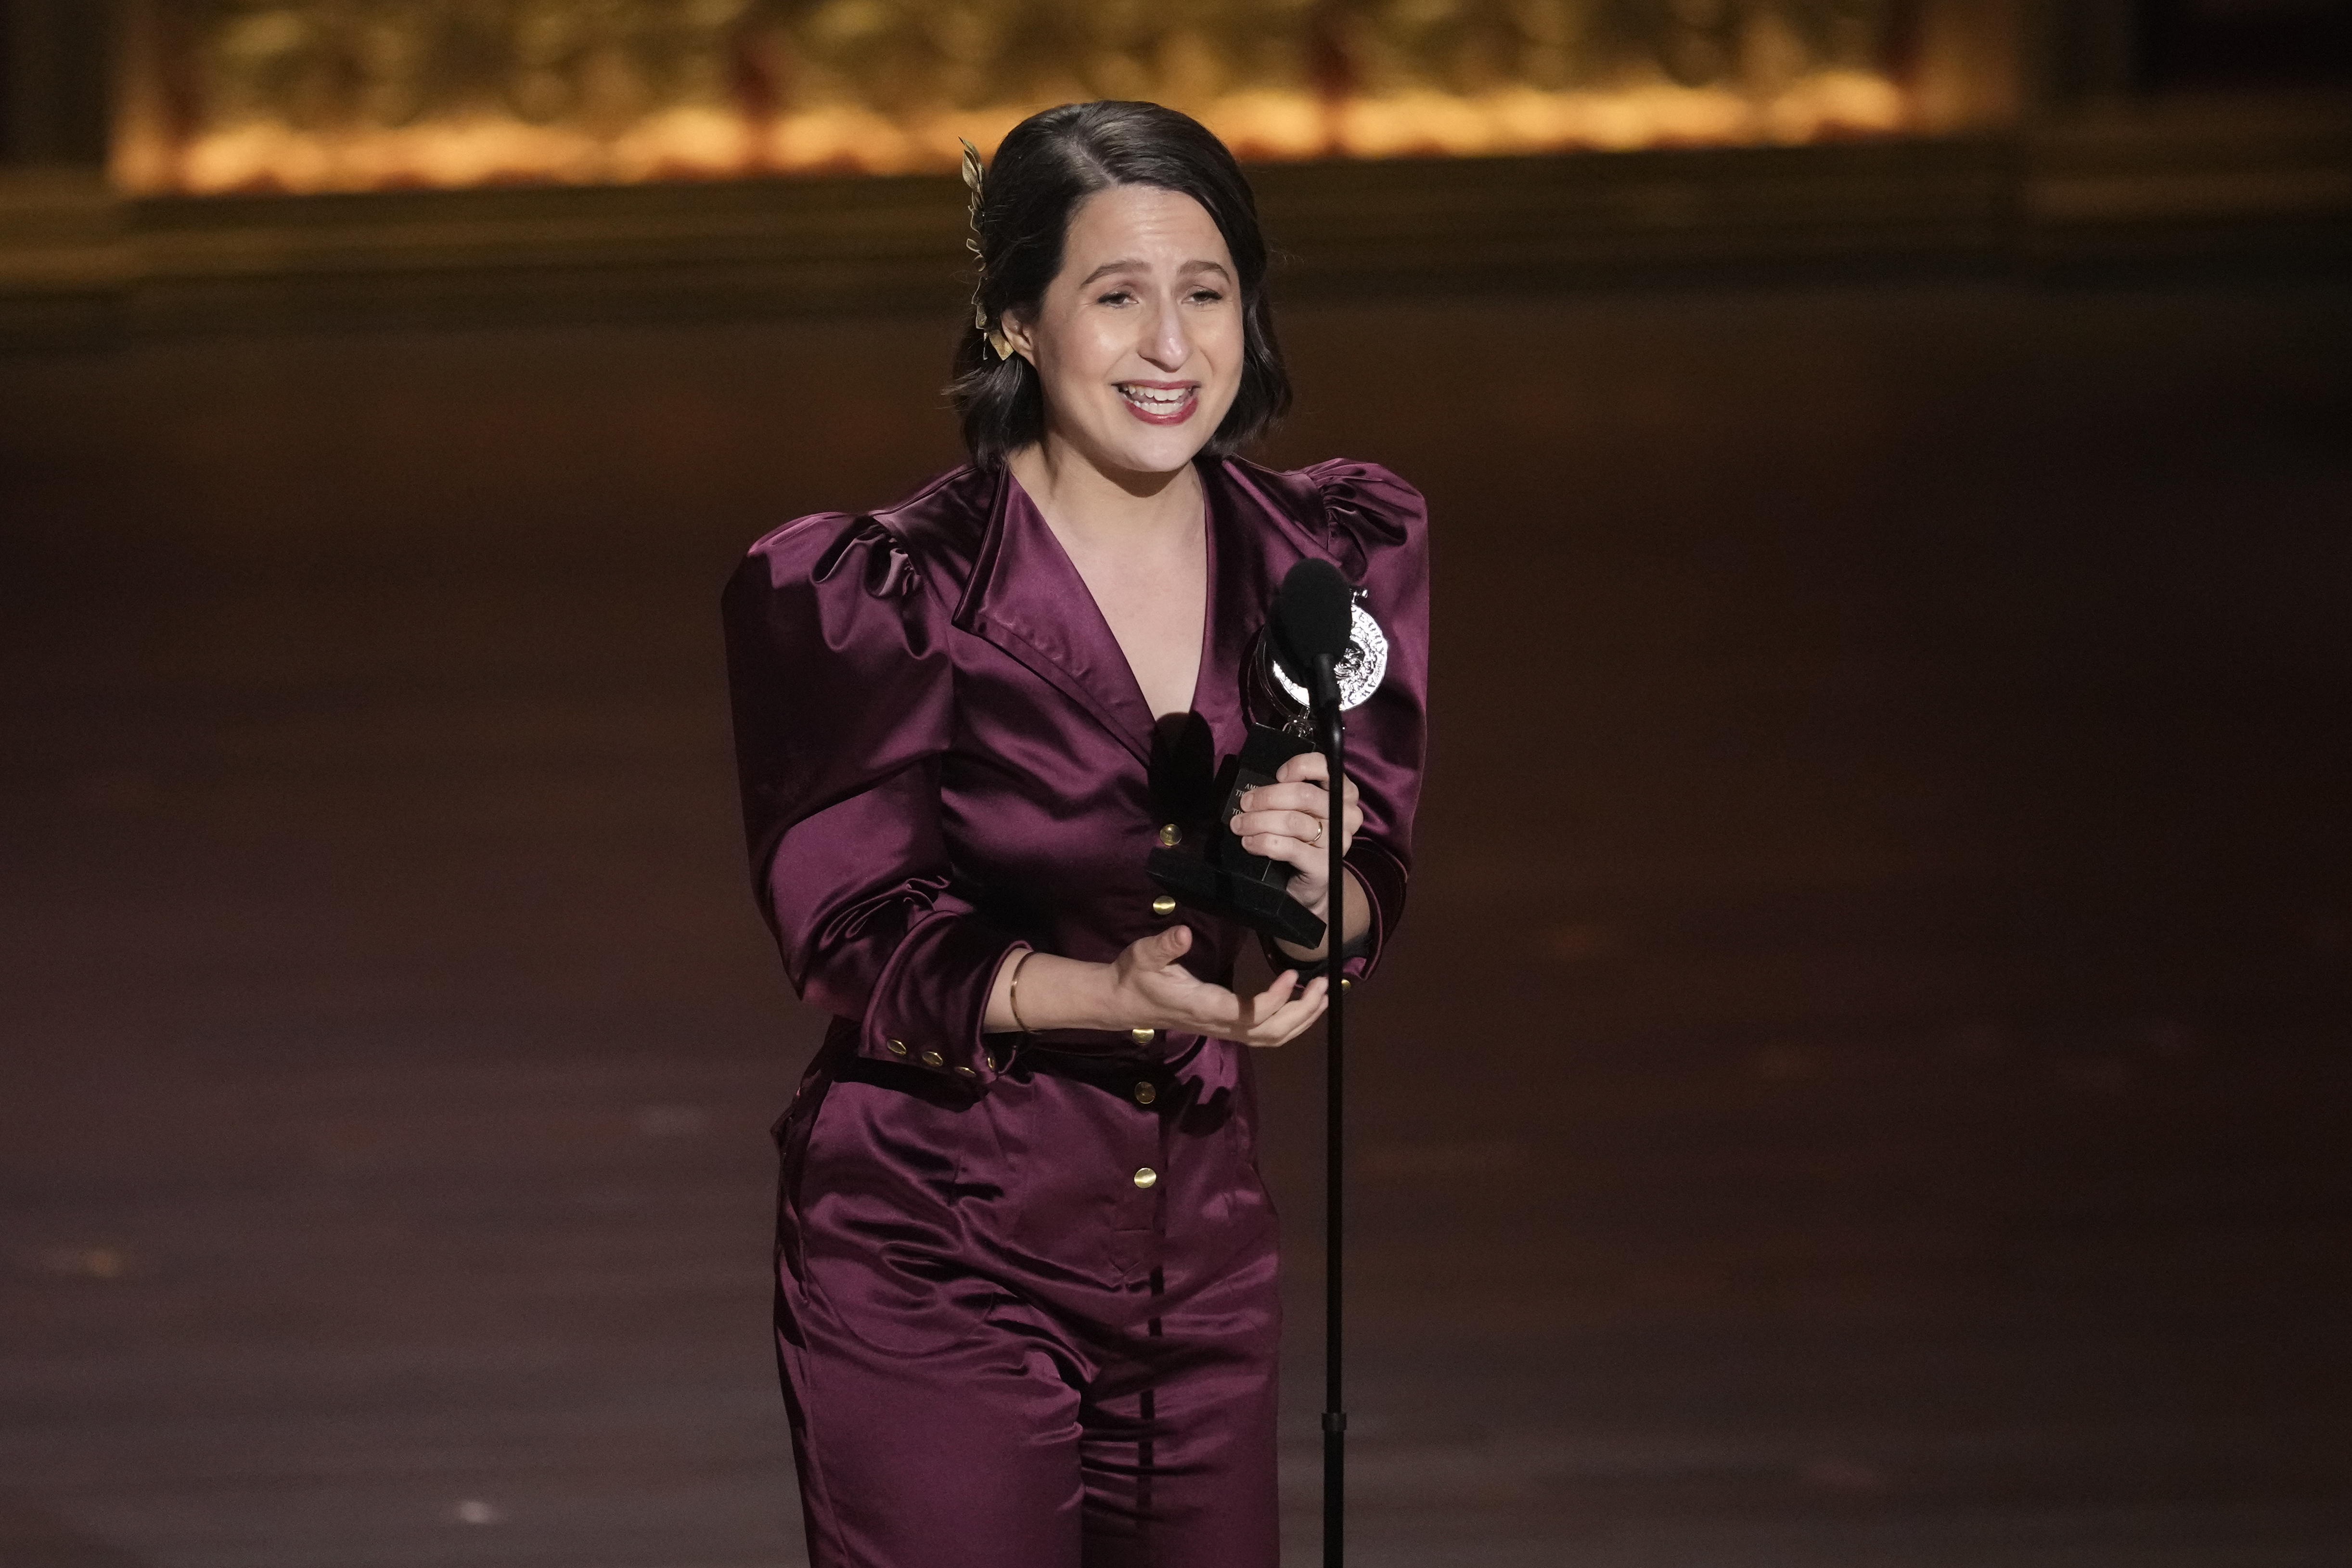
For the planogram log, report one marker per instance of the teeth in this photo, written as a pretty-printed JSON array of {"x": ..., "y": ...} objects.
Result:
[{"x": 1157, "y": 399}]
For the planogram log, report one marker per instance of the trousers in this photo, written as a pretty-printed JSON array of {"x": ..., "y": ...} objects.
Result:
[{"x": 1034, "y": 1330}]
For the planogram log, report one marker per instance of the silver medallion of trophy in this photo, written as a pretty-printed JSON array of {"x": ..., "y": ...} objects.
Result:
[{"x": 1361, "y": 670}]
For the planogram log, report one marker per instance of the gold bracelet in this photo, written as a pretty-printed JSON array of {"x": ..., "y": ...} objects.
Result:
[{"x": 1013, "y": 992}]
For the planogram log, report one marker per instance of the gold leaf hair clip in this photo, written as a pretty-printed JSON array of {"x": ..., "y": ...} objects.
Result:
[
  {"x": 973, "y": 178},
  {"x": 975, "y": 181}
]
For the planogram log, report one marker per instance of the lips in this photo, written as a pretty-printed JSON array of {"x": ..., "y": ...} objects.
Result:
[{"x": 1162, "y": 403}]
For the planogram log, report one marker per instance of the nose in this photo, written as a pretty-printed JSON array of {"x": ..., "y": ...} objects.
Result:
[{"x": 1166, "y": 344}]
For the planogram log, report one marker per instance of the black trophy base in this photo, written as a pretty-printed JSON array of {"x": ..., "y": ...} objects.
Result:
[{"x": 1210, "y": 872}]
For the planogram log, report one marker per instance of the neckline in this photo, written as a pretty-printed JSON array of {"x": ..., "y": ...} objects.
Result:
[{"x": 1203, "y": 654}]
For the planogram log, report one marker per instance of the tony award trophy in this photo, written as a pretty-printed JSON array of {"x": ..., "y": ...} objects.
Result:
[{"x": 1207, "y": 869}]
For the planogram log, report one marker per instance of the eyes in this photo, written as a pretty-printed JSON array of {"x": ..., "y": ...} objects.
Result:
[{"x": 1204, "y": 294}]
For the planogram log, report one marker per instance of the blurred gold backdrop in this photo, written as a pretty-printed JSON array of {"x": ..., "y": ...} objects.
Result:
[{"x": 315, "y": 95}]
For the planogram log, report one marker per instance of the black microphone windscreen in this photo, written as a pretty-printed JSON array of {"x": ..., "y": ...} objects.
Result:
[{"x": 1313, "y": 613}]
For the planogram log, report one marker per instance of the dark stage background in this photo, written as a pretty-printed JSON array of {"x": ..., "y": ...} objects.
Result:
[
  {"x": 1863, "y": 1076},
  {"x": 1862, "y": 1080}
]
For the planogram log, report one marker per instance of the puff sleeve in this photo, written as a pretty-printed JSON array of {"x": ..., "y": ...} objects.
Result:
[
  {"x": 1376, "y": 529},
  {"x": 842, "y": 693}
]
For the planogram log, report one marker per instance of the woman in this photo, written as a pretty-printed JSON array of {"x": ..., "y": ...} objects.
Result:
[{"x": 1026, "y": 1310}]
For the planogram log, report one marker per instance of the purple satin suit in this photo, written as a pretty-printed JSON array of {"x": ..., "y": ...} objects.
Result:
[{"x": 1027, "y": 1308}]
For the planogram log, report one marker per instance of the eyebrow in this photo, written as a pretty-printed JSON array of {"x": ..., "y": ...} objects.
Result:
[{"x": 1108, "y": 268}]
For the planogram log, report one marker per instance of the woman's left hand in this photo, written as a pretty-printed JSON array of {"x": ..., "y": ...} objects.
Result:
[{"x": 1289, "y": 820}]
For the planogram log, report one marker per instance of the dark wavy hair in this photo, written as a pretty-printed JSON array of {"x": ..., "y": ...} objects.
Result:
[{"x": 1049, "y": 164}]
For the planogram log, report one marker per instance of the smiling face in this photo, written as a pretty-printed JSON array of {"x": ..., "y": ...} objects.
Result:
[{"x": 1138, "y": 341}]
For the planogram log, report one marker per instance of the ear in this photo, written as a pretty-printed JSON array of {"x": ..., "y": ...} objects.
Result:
[{"x": 1016, "y": 332}]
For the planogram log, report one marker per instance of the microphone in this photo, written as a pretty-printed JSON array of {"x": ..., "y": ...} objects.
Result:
[
  {"x": 1311, "y": 628},
  {"x": 1313, "y": 613}
]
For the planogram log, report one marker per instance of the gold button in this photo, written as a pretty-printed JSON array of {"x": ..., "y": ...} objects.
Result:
[
  {"x": 1345, "y": 984},
  {"x": 1146, "y": 1092},
  {"x": 897, "y": 1047},
  {"x": 967, "y": 1072},
  {"x": 1146, "y": 1176},
  {"x": 994, "y": 1065},
  {"x": 933, "y": 1059},
  {"x": 1141, "y": 1037},
  {"x": 1163, "y": 905},
  {"x": 1170, "y": 835}
]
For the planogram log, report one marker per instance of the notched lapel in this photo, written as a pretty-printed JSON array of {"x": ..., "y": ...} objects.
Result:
[{"x": 1026, "y": 598}]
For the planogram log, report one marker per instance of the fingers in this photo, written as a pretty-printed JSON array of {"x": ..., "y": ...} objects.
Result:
[
  {"x": 1290, "y": 822},
  {"x": 1310, "y": 767},
  {"x": 1296, "y": 794},
  {"x": 1284, "y": 990},
  {"x": 1304, "y": 826},
  {"x": 1302, "y": 795},
  {"x": 1273, "y": 1015},
  {"x": 1276, "y": 1016},
  {"x": 1305, "y": 765},
  {"x": 1165, "y": 946},
  {"x": 1150, "y": 963},
  {"x": 1296, "y": 1015}
]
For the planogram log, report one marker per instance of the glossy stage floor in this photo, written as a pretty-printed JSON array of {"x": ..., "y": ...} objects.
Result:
[{"x": 1864, "y": 1079}]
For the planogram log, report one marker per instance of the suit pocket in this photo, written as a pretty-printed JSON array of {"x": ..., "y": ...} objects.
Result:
[{"x": 878, "y": 1237}]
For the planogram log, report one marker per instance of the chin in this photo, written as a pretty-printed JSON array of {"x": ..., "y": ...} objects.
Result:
[
  {"x": 1161, "y": 457},
  {"x": 1141, "y": 450}
]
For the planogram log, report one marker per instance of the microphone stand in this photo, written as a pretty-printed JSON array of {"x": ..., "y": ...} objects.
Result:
[{"x": 1333, "y": 739}]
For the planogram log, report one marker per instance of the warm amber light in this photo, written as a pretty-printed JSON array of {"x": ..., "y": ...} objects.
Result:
[{"x": 234, "y": 95}]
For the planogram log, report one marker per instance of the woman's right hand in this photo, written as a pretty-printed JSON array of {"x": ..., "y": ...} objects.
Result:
[{"x": 1149, "y": 986}]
